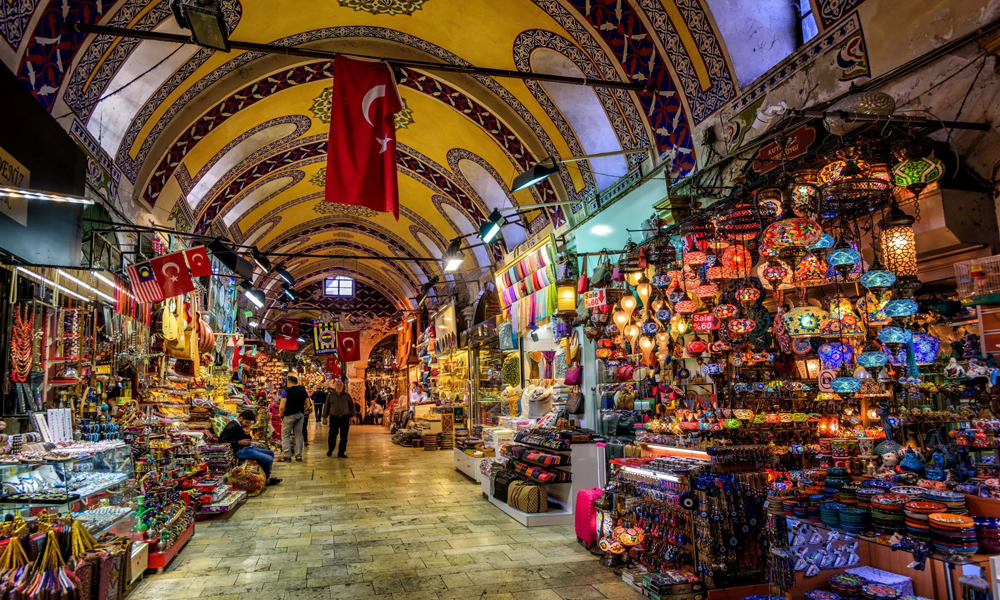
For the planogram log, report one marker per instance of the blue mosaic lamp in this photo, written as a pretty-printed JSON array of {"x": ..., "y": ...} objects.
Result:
[
  {"x": 872, "y": 358},
  {"x": 804, "y": 321},
  {"x": 845, "y": 383},
  {"x": 895, "y": 337},
  {"x": 825, "y": 241},
  {"x": 843, "y": 258},
  {"x": 878, "y": 278},
  {"x": 835, "y": 355},
  {"x": 926, "y": 348},
  {"x": 906, "y": 307}
]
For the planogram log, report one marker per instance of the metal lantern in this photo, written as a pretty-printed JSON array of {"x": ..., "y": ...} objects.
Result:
[
  {"x": 566, "y": 298},
  {"x": 804, "y": 321},
  {"x": 926, "y": 348},
  {"x": 835, "y": 355},
  {"x": 899, "y": 246},
  {"x": 724, "y": 312}
]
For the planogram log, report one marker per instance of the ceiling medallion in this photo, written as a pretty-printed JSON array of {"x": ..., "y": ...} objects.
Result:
[
  {"x": 319, "y": 179},
  {"x": 323, "y": 103},
  {"x": 384, "y": 7},
  {"x": 332, "y": 208}
]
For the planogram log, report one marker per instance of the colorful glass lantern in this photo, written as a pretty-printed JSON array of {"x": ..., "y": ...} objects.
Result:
[
  {"x": 878, "y": 279},
  {"x": 894, "y": 337},
  {"x": 775, "y": 274},
  {"x": 835, "y": 355},
  {"x": 843, "y": 258},
  {"x": 747, "y": 296},
  {"x": 872, "y": 358},
  {"x": 724, "y": 312},
  {"x": 791, "y": 237},
  {"x": 825, "y": 241},
  {"x": 741, "y": 326},
  {"x": 706, "y": 292},
  {"x": 696, "y": 346},
  {"x": 901, "y": 308},
  {"x": 736, "y": 261},
  {"x": 686, "y": 307},
  {"x": 566, "y": 298},
  {"x": 650, "y": 327},
  {"x": 715, "y": 273},
  {"x": 845, "y": 384},
  {"x": 712, "y": 368},
  {"x": 804, "y": 321},
  {"x": 810, "y": 271},
  {"x": 694, "y": 258},
  {"x": 843, "y": 321},
  {"x": 917, "y": 173},
  {"x": 899, "y": 247},
  {"x": 834, "y": 171},
  {"x": 926, "y": 348},
  {"x": 871, "y": 310},
  {"x": 629, "y": 536}
]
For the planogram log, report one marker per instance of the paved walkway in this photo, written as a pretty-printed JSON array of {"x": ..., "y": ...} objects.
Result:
[{"x": 389, "y": 523}]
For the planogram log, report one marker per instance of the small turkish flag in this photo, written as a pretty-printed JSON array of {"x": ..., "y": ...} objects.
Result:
[
  {"x": 333, "y": 366},
  {"x": 349, "y": 345},
  {"x": 197, "y": 259},
  {"x": 361, "y": 154},
  {"x": 287, "y": 334},
  {"x": 172, "y": 274}
]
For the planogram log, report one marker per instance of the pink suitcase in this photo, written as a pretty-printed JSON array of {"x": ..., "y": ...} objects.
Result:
[{"x": 585, "y": 515}]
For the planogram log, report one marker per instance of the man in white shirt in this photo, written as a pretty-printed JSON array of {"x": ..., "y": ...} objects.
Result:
[{"x": 417, "y": 394}]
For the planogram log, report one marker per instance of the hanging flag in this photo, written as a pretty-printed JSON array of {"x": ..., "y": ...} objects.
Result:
[
  {"x": 144, "y": 284},
  {"x": 333, "y": 367},
  {"x": 324, "y": 337},
  {"x": 198, "y": 262},
  {"x": 286, "y": 334},
  {"x": 172, "y": 274},
  {"x": 361, "y": 153},
  {"x": 349, "y": 345}
]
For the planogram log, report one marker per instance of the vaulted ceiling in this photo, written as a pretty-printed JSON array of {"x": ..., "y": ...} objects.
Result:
[{"x": 235, "y": 143}]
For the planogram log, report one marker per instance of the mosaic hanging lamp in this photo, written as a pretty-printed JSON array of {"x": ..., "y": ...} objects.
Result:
[
  {"x": 747, "y": 296},
  {"x": 686, "y": 307},
  {"x": 873, "y": 357},
  {"x": 843, "y": 257},
  {"x": 790, "y": 236},
  {"x": 834, "y": 355},
  {"x": 707, "y": 293},
  {"x": 871, "y": 311},
  {"x": 736, "y": 262},
  {"x": 842, "y": 320},
  {"x": 741, "y": 327},
  {"x": 695, "y": 258},
  {"x": 916, "y": 169},
  {"x": 848, "y": 186},
  {"x": 895, "y": 338},
  {"x": 725, "y": 312},
  {"x": 743, "y": 222},
  {"x": 805, "y": 321},
  {"x": 878, "y": 279},
  {"x": 825, "y": 241},
  {"x": 926, "y": 348},
  {"x": 847, "y": 158},
  {"x": 901, "y": 310},
  {"x": 810, "y": 271},
  {"x": 845, "y": 384},
  {"x": 715, "y": 273}
]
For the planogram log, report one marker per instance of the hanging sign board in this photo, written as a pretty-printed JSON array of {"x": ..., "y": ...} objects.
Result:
[
  {"x": 704, "y": 321},
  {"x": 14, "y": 174},
  {"x": 595, "y": 298},
  {"x": 826, "y": 377}
]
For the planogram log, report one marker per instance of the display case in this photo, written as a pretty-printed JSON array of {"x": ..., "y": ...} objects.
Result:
[
  {"x": 452, "y": 382},
  {"x": 487, "y": 366},
  {"x": 66, "y": 479}
]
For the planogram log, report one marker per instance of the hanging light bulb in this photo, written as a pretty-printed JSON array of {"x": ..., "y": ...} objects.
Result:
[
  {"x": 644, "y": 290},
  {"x": 621, "y": 319},
  {"x": 628, "y": 304},
  {"x": 632, "y": 332}
]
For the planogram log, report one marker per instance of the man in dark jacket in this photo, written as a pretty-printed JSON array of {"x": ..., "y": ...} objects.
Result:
[
  {"x": 292, "y": 410},
  {"x": 319, "y": 399},
  {"x": 236, "y": 434},
  {"x": 338, "y": 410}
]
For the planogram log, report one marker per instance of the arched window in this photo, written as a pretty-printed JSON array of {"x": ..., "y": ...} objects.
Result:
[{"x": 340, "y": 286}]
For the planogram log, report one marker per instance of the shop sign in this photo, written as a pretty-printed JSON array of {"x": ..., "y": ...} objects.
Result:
[
  {"x": 704, "y": 321},
  {"x": 595, "y": 298},
  {"x": 826, "y": 377},
  {"x": 770, "y": 156},
  {"x": 14, "y": 174}
]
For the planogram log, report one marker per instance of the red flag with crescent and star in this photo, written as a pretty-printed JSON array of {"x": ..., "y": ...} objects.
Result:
[
  {"x": 172, "y": 274},
  {"x": 349, "y": 345},
  {"x": 197, "y": 259},
  {"x": 287, "y": 334},
  {"x": 361, "y": 154}
]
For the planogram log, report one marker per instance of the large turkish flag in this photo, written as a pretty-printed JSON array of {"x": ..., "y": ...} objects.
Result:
[
  {"x": 361, "y": 156},
  {"x": 172, "y": 274},
  {"x": 287, "y": 334},
  {"x": 349, "y": 345}
]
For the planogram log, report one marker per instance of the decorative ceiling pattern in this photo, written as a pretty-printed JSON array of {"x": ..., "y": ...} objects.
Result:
[{"x": 236, "y": 142}]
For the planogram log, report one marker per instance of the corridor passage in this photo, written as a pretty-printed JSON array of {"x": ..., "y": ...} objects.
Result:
[{"x": 389, "y": 522}]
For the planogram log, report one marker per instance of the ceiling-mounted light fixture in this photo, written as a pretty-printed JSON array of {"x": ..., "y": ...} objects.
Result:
[
  {"x": 256, "y": 297},
  {"x": 254, "y": 323},
  {"x": 453, "y": 257},
  {"x": 285, "y": 275},
  {"x": 205, "y": 20},
  {"x": 288, "y": 292},
  {"x": 548, "y": 167},
  {"x": 491, "y": 228},
  {"x": 19, "y": 194},
  {"x": 260, "y": 260}
]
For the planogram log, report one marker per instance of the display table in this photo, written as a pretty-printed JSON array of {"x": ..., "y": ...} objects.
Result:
[
  {"x": 469, "y": 465},
  {"x": 160, "y": 560}
]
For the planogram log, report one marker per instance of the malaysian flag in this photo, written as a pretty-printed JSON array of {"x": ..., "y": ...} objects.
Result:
[{"x": 144, "y": 284}]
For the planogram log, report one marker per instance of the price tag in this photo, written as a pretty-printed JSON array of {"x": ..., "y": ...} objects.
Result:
[
  {"x": 595, "y": 298},
  {"x": 704, "y": 321}
]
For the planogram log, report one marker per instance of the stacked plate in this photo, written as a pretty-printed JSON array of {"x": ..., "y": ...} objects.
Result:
[
  {"x": 887, "y": 513},
  {"x": 954, "y": 501},
  {"x": 430, "y": 441},
  {"x": 866, "y": 494},
  {"x": 822, "y": 595},
  {"x": 829, "y": 513},
  {"x": 953, "y": 532},
  {"x": 855, "y": 520},
  {"x": 878, "y": 591},
  {"x": 846, "y": 585},
  {"x": 988, "y": 532},
  {"x": 848, "y": 494},
  {"x": 882, "y": 484},
  {"x": 910, "y": 491},
  {"x": 814, "y": 501},
  {"x": 916, "y": 512},
  {"x": 789, "y": 507}
]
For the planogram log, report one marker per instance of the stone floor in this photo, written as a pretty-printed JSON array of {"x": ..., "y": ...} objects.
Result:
[{"x": 389, "y": 523}]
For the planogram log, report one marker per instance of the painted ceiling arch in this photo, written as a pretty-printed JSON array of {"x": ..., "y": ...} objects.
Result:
[{"x": 235, "y": 142}]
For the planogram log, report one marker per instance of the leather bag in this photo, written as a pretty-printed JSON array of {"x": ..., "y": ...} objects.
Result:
[
  {"x": 602, "y": 272},
  {"x": 528, "y": 497}
]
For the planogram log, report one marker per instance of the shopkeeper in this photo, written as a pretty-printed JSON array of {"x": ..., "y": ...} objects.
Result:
[{"x": 237, "y": 434}]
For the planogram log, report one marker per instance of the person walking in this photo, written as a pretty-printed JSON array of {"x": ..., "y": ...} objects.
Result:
[
  {"x": 292, "y": 411},
  {"x": 319, "y": 399},
  {"x": 338, "y": 411}
]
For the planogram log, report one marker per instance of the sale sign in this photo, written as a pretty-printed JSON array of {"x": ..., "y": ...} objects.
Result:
[
  {"x": 704, "y": 321},
  {"x": 595, "y": 298}
]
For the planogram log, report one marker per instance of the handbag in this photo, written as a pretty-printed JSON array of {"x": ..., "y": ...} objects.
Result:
[
  {"x": 574, "y": 375},
  {"x": 582, "y": 283},
  {"x": 528, "y": 497},
  {"x": 574, "y": 403},
  {"x": 502, "y": 483},
  {"x": 602, "y": 272}
]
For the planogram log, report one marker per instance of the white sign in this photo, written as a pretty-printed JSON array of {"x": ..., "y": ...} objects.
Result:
[
  {"x": 826, "y": 377},
  {"x": 595, "y": 298},
  {"x": 13, "y": 174}
]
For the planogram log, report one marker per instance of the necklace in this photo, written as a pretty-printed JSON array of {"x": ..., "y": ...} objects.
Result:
[{"x": 21, "y": 346}]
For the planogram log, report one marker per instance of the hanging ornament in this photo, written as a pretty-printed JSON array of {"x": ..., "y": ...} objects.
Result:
[
  {"x": 805, "y": 321},
  {"x": 747, "y": 296},
  {"x": 843, "y": 321},
  {"x": 878, "y": 278}
]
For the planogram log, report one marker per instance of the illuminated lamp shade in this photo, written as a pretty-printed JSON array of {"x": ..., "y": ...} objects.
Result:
[
  {"x": 736, "y": 261},
  {"x": 917, "y": 173},
  {"x": 646, "y": 345},
  {"x": 767, "y": 252},
  {"x": 843, "y": 321},
  {"x": 834, "y": 171},
  {"x": 794, "y": 232},
  {"x": 872, "y": 358},
  {"x": 804, "y": 321},
  {"x": 894, "y": 336},
  {"x": 810, "y": 271},
  {"x": 903, "y": 307},
  {"x": 643, "y": 290},
  {"x": 715, "y": 273},
  {"x": 899, "y": 246},
  {"x": 706, "y": 292},
  {"x": 825, "y": 241},
  {"x": 566, "y": 298},
  {"x": 871, "y": 310},
  {"x": 747, "y": 296},
  {"x": 694, "y": 258},
  {"x": 696, "y": 346},
  {"x": 803, "y": 190},
  {"x": 686, "y": 307},
  {"x": 724, "y": 312},
  {"x": 650, "y": 327},
  {"x": 845, "y": 384},
  {"x": 741, "y": 326},
  {"x": 775, "y": 275},
  {"x": 926, "y": 348},
  {"x": 610, "y": 546},
  {"x": 843, "y": 259},
  {"x": 835, "y": 355},
  {"x": 878, "y": 279},
  {"x": 621, "y": 319},
  {"x": 679, "y": 325},
  {"x": 629, "y": 536},
  {"x": 691, "y": 285},
  {"x": 712, "y": 368},
  {"x": 628, "y": 304},
  {"x": 632, "y": 332}
]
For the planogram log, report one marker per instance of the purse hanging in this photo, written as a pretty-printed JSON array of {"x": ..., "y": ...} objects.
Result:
[{"x": 582, "y": 284}]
